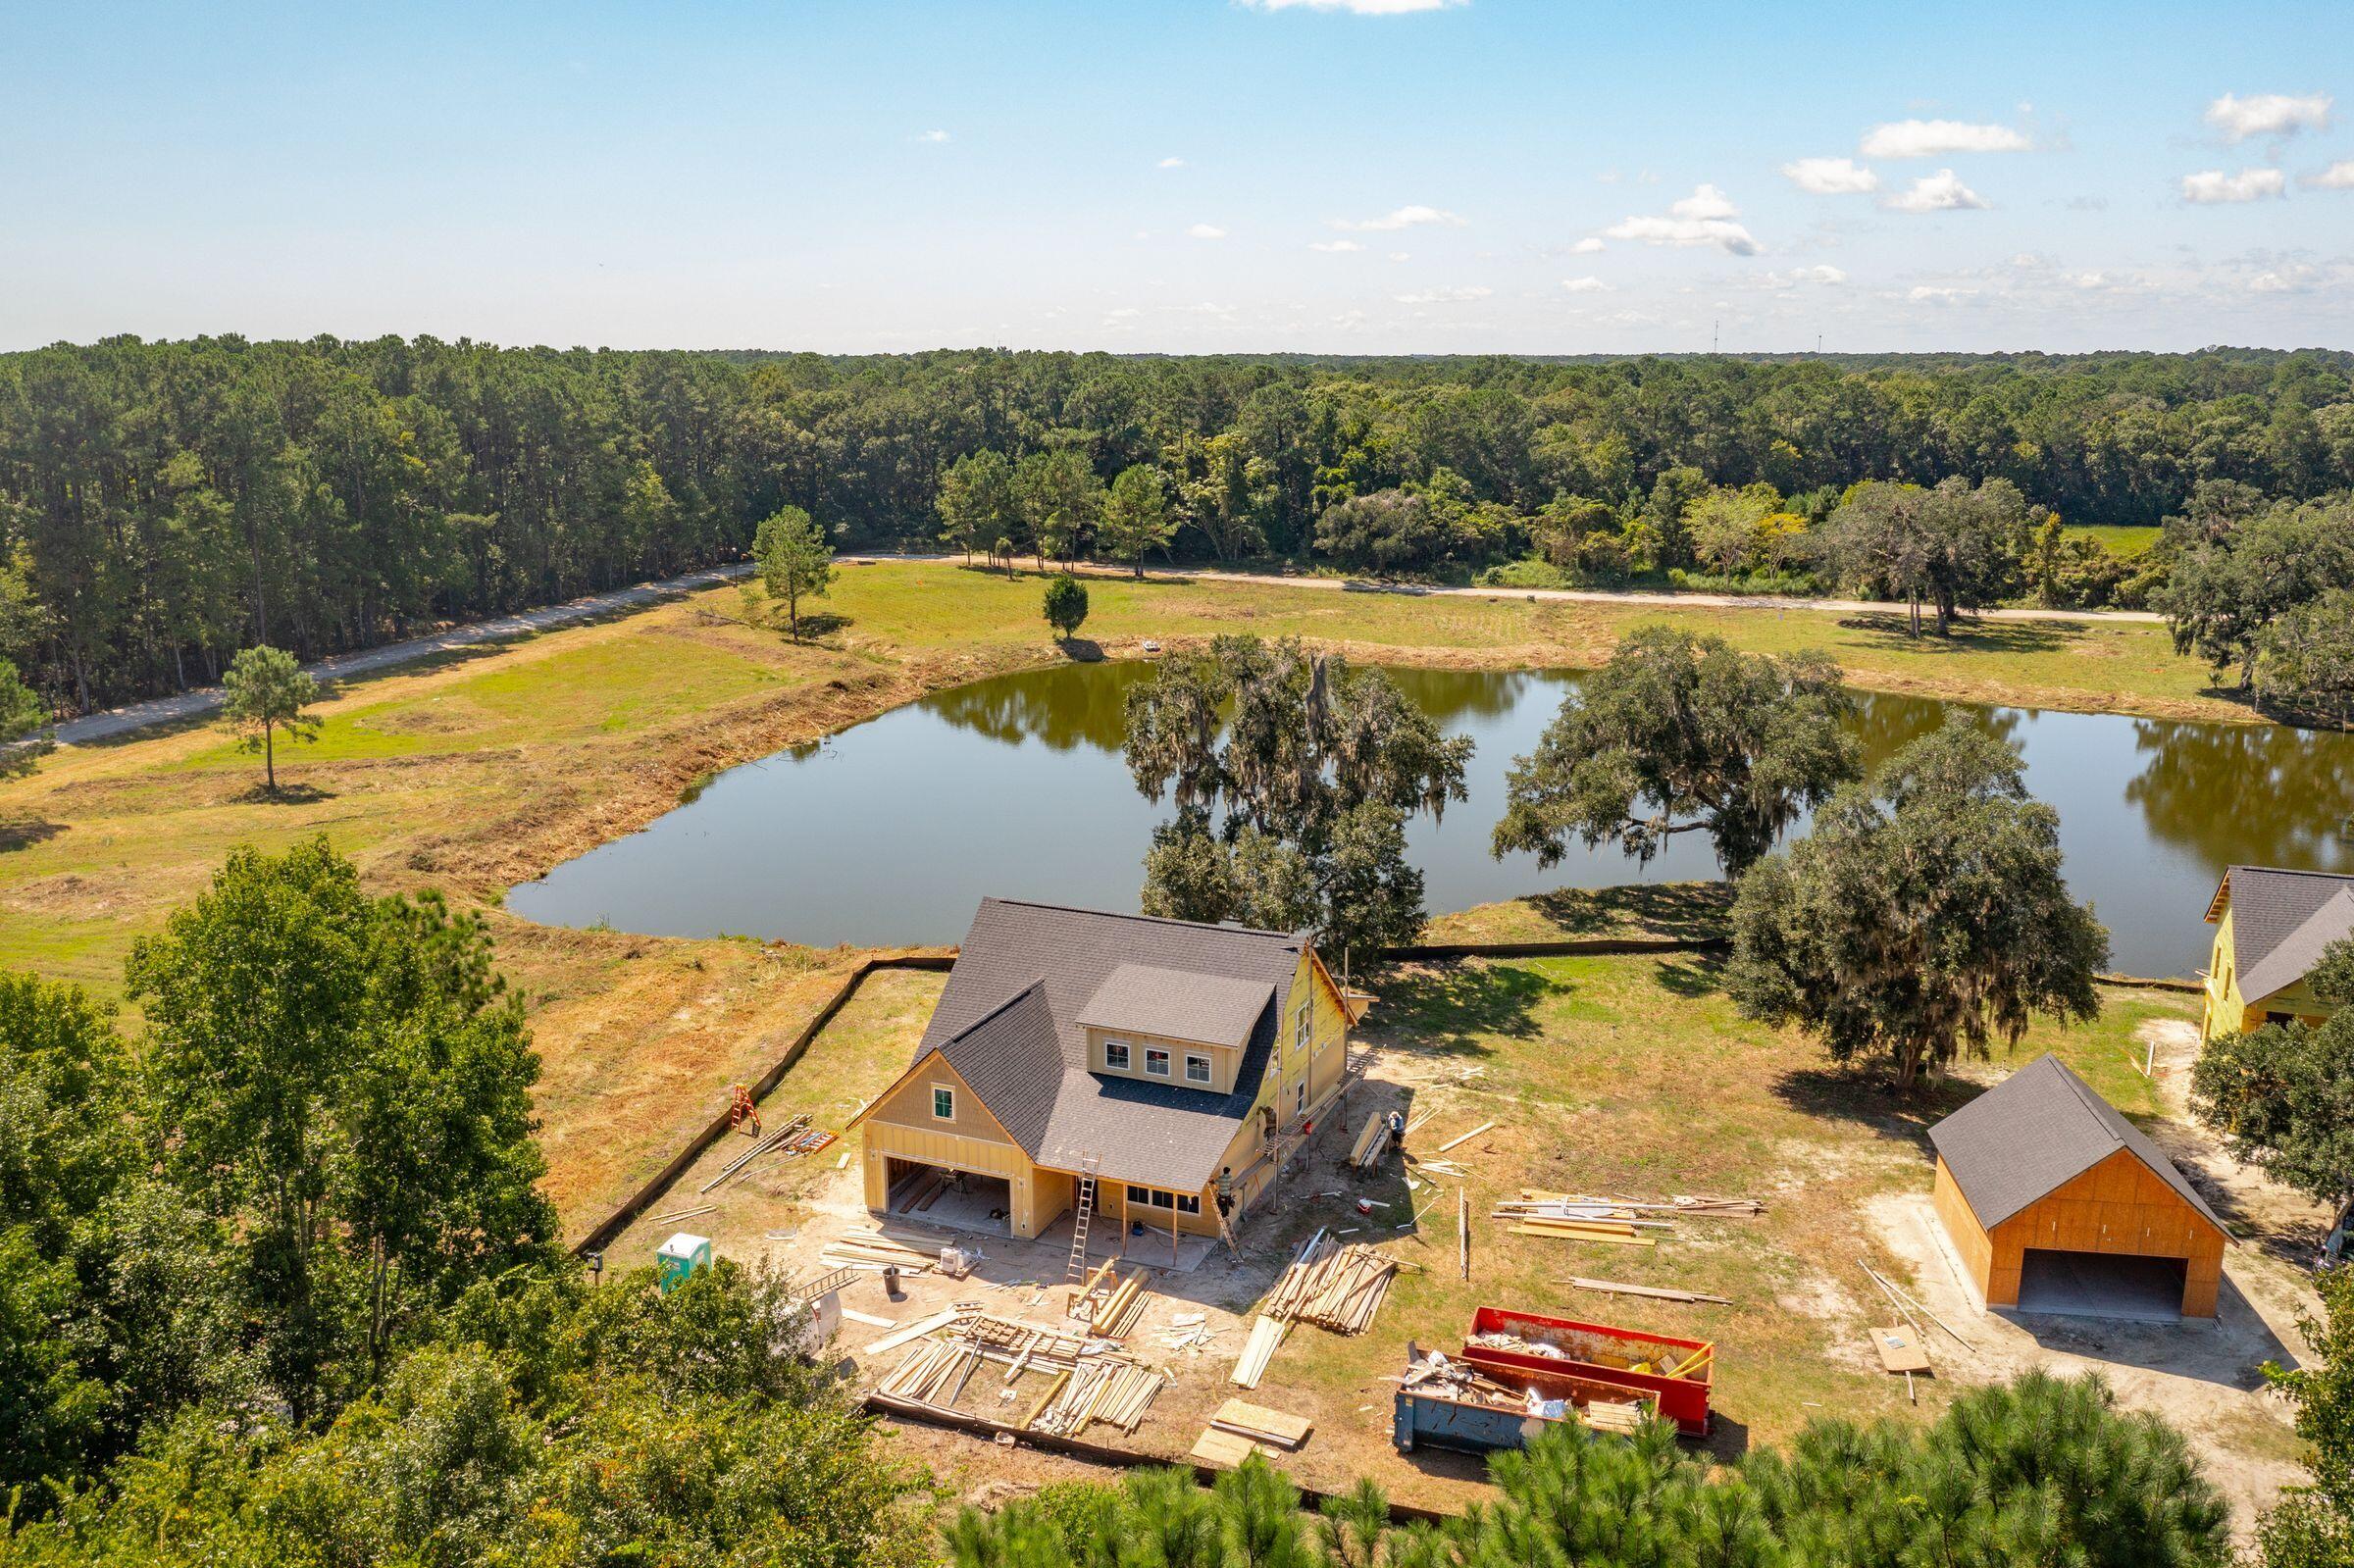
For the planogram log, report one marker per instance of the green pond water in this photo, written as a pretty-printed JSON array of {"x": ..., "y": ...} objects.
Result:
[{"x": 892, "y": 830}]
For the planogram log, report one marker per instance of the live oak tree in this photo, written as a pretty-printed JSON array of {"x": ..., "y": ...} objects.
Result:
[
  {"x": 1953, "y": 548},
  {"x": 1924, "y": 915},
  {"x": 795, "y": 559},
  {"x": 2305, "y": 659},
  {"x": 2283, "y": 1095},
  {"x": 267, "y": 691},
  {"x": 1293, "y": 776},
  {"x": 1136, "y": 517},
  {"x": 2230, "y": 591},
  {"x": 347, "y": 1086},
  {"x": 1065, "y": 604},
  {"x": 1682, "y": 733}
]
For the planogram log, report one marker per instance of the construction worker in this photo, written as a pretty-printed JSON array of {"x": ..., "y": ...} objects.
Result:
[
  {"x": 1225, "y": 1191},
  {"x": 1398, "y": 1130}
]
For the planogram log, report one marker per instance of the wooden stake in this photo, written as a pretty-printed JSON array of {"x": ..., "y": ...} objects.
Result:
[{"x": 1463, "y": 1229}]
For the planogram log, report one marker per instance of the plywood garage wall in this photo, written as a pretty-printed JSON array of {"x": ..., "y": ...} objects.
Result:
[{"x": 2119, "y": 1206}]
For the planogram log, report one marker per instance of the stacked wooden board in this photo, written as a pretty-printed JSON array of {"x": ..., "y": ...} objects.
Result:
[
  {"x": 1090, "y": 1381},
  {"x": 1372, "y": 1142},
  {"x": 1615, "y": 1221},
  {"x": 1332, "y": 1286},
  {"x": 1261, "y": 1425},
  {"x": 796, "y": 1139},
  {"x": 1265, "y": 1335},
  {"x": 873, "y": 1250}
]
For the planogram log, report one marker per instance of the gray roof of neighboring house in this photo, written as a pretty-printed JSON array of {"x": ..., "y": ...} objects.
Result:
[
  {"x": 1179, "y": 1003},
  {"x": 2036, "y": 1131},
  {"x": 2282, "y": 922},
  {"x": 1009, "y": 1021}
]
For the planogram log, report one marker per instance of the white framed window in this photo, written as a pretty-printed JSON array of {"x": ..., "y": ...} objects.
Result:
[
  {"x": 1115, "y": 1054},
  {"x": 1197, "y": 1068},
  {"x": 944, "y": 1103},
  {"x": 1156, "y": 1062},
  {"x": 1299, "y": 1098},
  {"x": 1299, "y": 1023}
]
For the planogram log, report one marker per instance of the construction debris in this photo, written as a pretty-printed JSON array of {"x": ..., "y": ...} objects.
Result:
[
  {"x": 1484, "y": 1127},
  {"x": 1546, "y": 1399},
  {"x": 874, "y": 1250},
  {"x": 1091, "y": 1381},
  {"x": 1223, "y": 1450},
  {"x": 796, "y": 1139}
]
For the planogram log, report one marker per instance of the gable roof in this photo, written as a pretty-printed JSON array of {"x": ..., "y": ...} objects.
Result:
[
  {"x": 2281, "y": 922},
  {"x": 1180, "y": 1004},
  {"x": 1010, "y": 1023},
  {"x": 2036, "y": 1131}
]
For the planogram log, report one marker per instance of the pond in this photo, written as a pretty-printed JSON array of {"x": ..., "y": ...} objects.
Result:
[{"x": 890, "y": 832}]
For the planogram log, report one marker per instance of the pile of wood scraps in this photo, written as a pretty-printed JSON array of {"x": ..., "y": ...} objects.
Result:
[
  {"x": 1108, "y": 1389},
  {"x": 1332, "y": 1284},
  {"x": 1463, "y": 1382},
  {"x": 797, "y": 1139},
  {"x": 1618, "y": 1221},
  {"x": 1903, "y": 1349},
  {"x": 1090, "y": 1381},
  {"x": 873, "y": 1250}
]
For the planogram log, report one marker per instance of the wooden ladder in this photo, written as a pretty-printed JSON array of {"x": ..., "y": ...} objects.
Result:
[{"x": 1084, "y": 1212}]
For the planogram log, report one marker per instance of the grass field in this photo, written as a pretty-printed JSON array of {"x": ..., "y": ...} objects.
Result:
[
  {"x": 2119, "y": 539},
  {"x": 493, "y": 765}
]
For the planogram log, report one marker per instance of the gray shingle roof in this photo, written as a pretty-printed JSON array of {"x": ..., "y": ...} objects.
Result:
[
  {"x": 2281, "y": 922},
  {"x": 1009, "y": 1022},
  {"x": 2036, "y": 1131},
  {"x": 1181, "y": 1004}
]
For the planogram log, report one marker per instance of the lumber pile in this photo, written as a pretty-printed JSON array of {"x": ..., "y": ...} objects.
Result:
[
  {"x": 1332, "y": 1286},
  {"x": 1372, "y": 1142},
  {"x": 873, "y": 1250},
  {"x": 797, "y": 1139},
  {"x": 1109, "y": 1389},
  {"x": 1261, "y": 1425},
  {"x": 1618, "y": 1221},
  {"x": 1265, "y": 1335},
  {"x": 1089, "y": 1381},
  {"x": 1115, "y": 1314}
]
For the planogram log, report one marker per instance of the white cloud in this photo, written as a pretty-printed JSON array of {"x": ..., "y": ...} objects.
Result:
[
  {"x": 1361, "y": 8},
  {"x": 2338, "y": 175},
  {"x": 1402, "y": 255},
  {"x": 1706, "y": 217},
  {"x": 1588, "y": 246},
  {"x": 2213, "y": 185},
  {"x": 1940, "y": 192},
  {"x": 1585, "y": 286},
  {"x": 1206, "y": 232},
  {"x": 1831, "y": 177},
  {"x": 1933, "y": 138},
  {"x": 1334, "y": 246},
  {"x": 933, "y": 136},
  {"x": 1412, "y": 217},
  {"x": 1170, "y": 163},
  {"x": 2292, "y": 280},
  {"x": 2268, "y": 114},
  {"x": 1824, "y": 274},
  {"x": 1925, "y": 294},
  {"x": 1444, "y": 296}
]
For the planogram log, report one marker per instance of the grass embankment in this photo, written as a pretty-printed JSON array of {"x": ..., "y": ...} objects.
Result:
[{"x": 498, "y": 763}]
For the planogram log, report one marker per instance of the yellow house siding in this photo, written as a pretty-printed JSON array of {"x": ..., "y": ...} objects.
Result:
[
  {"x": 1222, "y": 1061},
  {"x": 2228, "y": 1011},
  {"x": 911, "y": 1103}
]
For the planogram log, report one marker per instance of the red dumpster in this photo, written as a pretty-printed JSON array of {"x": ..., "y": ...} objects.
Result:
[{"x": 1602, "y": 1353}]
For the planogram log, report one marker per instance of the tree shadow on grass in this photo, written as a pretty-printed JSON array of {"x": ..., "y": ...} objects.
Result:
[
  {"x": 1450, "y": 1007},
  {"x": 23, "y": 835},
  {"x": 286, "y": 794},
  {"x": 1868, "y": 1097},
  {"x": 1081, "y": 650},
  {"x": 1692, "y": 975},
  {"x": 816, "y": 624},
  {"x": 1685, "y": 909},
  {"x": 1893, "y": 630}
]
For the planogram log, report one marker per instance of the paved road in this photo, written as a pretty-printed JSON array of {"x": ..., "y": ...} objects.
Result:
[
  {"x": 1686, "y": 601},
  {"x": 120, "y": 721}
]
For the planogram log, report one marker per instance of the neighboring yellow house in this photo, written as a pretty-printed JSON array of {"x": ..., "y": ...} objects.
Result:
[
  {"x": 1153, "y": 1054},
  {"x": 2271, "y": 929}
]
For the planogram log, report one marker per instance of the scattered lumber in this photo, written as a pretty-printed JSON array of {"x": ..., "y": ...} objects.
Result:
[
  {"x": 682, "y": 1214},
  {"x": 796, "y": 1139},
  {"x": 1900, "y": 1350},
  {"x": 1265, "y": 1335},
  {"x": 1263, "y": 1425},
  {"x": 1484, "y": 1127},
  {"x": 1911, "y": 1309},
  {"x": 1440, "y": 1168},
  {"x": 1656, "y": 1293},
  {"x": 870, "y": 1249},
  {"x": 923, "y": 1325}
]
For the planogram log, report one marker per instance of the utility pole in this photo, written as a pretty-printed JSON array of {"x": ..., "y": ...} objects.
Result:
[{"x": 1713, "y": 325}]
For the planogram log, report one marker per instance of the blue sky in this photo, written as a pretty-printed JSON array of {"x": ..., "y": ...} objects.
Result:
[{"x": 1517, "y": 176}]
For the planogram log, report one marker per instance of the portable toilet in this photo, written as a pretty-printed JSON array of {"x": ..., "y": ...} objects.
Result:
[{"x": 681, "y": 1256}]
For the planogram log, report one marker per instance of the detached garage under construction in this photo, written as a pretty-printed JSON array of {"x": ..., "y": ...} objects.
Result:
[{"x": 2056, "y": 1203}]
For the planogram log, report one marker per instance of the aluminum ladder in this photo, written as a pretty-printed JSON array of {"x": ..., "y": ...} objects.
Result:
[{"x": 1076, "y": 1271}]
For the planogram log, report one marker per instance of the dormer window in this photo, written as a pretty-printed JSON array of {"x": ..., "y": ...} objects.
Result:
[
  {"x": 1115, "y": 1054},
  {"x": 1197, "y": 1068},
  {"x": 1156, "y": 1062}
]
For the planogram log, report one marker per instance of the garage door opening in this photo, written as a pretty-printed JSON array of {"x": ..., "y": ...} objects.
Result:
[
  {"x": 958, "y": 1200},
  {"x": 2101, "y": 1285}
]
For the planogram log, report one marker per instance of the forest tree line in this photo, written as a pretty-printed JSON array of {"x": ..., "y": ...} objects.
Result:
[{"x": 162, "y": 505}]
